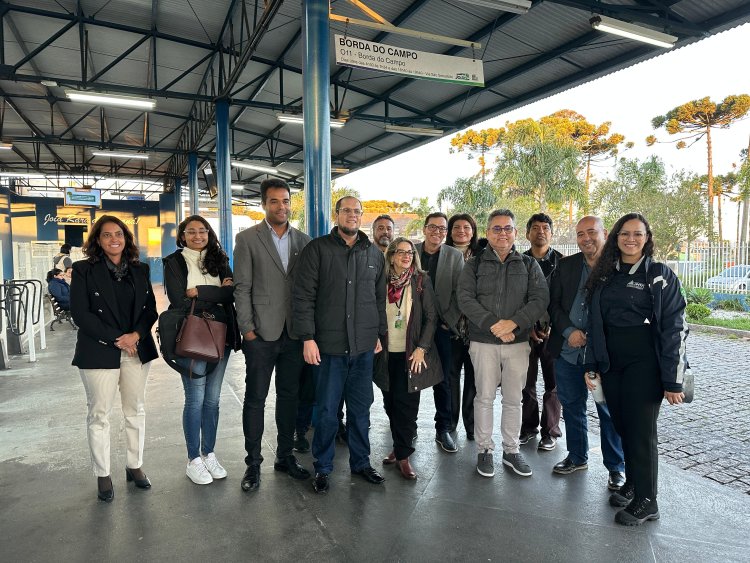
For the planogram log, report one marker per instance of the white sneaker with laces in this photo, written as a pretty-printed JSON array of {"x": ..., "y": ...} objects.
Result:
[
  {"x": 198, "y": 472},
  {"x": 214, "y": 467}
]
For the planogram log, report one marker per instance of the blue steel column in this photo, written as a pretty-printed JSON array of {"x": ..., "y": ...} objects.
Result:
[
  {"x": 178, "y": 200},
  {"x": 317, "y": 134},
  {"x": 224, "y": 177},
  {"x": 193, "y": 182}
]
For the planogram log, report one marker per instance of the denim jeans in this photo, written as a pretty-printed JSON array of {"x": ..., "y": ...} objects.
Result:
[
  {"x": 350, "y": 377},
  {"x": 573, "y": 394},
  {"x": 200, "y": 416}
]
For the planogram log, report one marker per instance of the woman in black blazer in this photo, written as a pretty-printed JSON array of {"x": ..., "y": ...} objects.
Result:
[
  {"x": 200, "y": 270},
  {"x": 113, "y": 304}
]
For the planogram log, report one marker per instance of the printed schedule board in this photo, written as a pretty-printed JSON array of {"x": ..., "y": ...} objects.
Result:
[
  {"x": 83, "y": 197},
  {"x": 355, "y": 52}
]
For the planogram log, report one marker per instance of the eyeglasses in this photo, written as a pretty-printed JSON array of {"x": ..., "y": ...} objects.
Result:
[
  {"x": 400, "y": 252},
  {"x": 438, "y": 228},
  {"x": 507, "y": 229},
  {"x": 637, "y": 235},
  {"x": 193, "y": 232},
  {"x": 118, "y": 234},
  {"x": 347, "y": 211}
]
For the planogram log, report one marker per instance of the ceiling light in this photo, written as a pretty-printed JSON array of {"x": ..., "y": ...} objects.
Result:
[
  {"x": 6, "y": 146},
  {"x": 48, "y": 83},
  {"x": 299, "y": 119},
  {"x": 335, "y": 170},
  {"x": 110, "y": 100},
  {"x": 427, "y": 132},
  {"x": 253, "y": 166},
  {"x": 111, "y": 154},
  {"x": 514, "y": 6},
  {"x": 632, "y": 31},
  {"x": 21, "y": 175}
]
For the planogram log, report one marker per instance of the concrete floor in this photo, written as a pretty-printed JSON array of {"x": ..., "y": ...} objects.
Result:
[{"x": 50, "y": 511}]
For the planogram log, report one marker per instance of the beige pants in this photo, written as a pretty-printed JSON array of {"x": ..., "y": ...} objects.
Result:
[
  {"x": 101, "y": 388},
  {"x": 504, "y": 365}
]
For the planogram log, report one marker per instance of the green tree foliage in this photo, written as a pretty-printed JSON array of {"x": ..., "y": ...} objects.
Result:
[
  {"x": 696, "y": 119},
  {"x": 298, "y": 203},
  {"x": 671, "y": 204},
  {"x": 478, "y": 143},
  {"x": 537, "y": 160},
  {"x": 421, "y": 208},
  {"x": 467, "y": 195}
]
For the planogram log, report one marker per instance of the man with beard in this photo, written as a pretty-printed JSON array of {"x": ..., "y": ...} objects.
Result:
[
  {"x": 266, "y": 260},
  {"x": 339, "y": 308},
  {"x": 539, "y": 234},
  {"x": 382, "y": 231}
]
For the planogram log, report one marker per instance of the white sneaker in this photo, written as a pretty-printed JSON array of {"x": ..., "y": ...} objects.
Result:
[
  {"x": 198, "y": 472},
  {"x": 214, "y": 467}
]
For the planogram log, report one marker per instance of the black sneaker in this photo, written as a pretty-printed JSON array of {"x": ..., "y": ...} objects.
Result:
[
  {"x": 526, "y": 437},
  {"x": 301, "y": 444},
  {"x": 623, "y": 496},
  {"x": 517, "y": 463},
  {"x": 637, "y": 512},
  {"x": 485, "y": 465}
]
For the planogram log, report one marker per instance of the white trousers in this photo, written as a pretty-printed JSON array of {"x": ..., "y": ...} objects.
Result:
[
  {"x": 504, "y": 365},
  {"x": 101, "y": 388}
]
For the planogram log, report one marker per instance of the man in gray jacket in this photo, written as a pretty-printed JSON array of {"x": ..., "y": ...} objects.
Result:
[
  {"x": 502, "y": 293},
  {"x": 444, "y": 264},
  {"x": 266, "y": 258}
]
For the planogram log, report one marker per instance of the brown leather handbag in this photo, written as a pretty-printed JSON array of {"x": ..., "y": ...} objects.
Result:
[{"x": 201, "y": 337}]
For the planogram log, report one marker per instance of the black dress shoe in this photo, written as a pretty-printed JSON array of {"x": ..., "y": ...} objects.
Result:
[
  {"x": 292, "y": 467},
  {"x": 616, "y": 480},
  {"x": 107, "y": 495},
  {"x": 446, "y": 442},
  {"x": 566, "y": 466},
  {"x": 320, "y": 483},
  {"x": 370, "y": 475},
  {"x": 140, "y": 483},
  {"x": 470, "y": 436},
  {"x": 301, "y": 444},
  {"x": 251, "y": 478}
]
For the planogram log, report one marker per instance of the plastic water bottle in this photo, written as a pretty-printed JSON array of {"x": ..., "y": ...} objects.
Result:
[{"x": 597, "y": 392}]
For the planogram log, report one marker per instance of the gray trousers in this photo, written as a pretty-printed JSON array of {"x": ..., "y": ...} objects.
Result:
[{"x": 504, "y": 365}]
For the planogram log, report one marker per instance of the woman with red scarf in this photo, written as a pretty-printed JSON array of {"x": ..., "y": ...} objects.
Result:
[{"x": 408, "y": 362}]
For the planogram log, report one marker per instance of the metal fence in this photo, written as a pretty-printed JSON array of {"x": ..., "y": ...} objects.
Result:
[{"x": 722, "y": 268}]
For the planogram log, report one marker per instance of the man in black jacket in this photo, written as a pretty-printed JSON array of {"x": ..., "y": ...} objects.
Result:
[
  {"x": 339, "y": 307},
  {"x": 567, "y": 343}
]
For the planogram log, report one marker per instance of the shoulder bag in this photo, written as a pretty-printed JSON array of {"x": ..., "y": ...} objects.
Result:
[{"x": 201, "y": 337}]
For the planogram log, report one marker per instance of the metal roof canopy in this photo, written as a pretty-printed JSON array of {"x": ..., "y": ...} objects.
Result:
[{"x": 186, "y": 54}]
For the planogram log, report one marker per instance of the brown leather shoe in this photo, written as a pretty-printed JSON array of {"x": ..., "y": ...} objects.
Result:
[
  {"x": 406, "y": 469},
  {"x": 390, "y": 460}
]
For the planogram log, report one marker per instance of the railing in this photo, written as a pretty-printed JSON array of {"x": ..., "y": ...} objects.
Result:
[
  {"x": 721, "y": 268},
  {"x": 22, "y": 310}
]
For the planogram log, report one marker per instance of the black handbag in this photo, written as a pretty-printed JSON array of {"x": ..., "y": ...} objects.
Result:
[
  {"x": 170, "y": 323},
  {"x": 201, "y": 337}
]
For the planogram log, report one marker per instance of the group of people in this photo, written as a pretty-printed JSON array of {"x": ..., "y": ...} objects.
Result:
[
  {"x": 58, "y": 278},
  {"x": 352, "y": 311}
]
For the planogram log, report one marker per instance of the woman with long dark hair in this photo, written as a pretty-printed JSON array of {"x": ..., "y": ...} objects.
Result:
[
  {"x": 636, "y": 343},
  {"x": 409, "y": 362},
  {"x": 462, "y": 234},
  {"x": 113, "y": 304},
  {"x": 200, "y": 271}
]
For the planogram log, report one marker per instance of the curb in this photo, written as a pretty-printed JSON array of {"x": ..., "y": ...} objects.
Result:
[{"x": 744, "y": 334}]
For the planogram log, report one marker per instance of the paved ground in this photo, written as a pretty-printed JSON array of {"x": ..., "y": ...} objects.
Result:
[{"x": 710, "y": 436}]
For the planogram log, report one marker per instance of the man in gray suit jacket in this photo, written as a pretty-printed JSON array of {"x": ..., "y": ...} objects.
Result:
[
  {"x": 265, "y": 257},
  {"x": 444, "y": 264}
]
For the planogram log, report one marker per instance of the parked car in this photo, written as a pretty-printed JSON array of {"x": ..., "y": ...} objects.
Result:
[{"x": 731, "y": 279}]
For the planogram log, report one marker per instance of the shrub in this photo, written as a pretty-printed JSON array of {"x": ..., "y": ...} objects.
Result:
[
  {"x": 697, "y": 311},
  {"x": 730, "y": 305},
  {"x": 699, "y": 295}
]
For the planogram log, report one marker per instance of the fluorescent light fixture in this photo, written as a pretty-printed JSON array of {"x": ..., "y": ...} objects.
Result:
[
  {"x": 110, "y": 100},
  {"x": 21, "y": 175},
  {"x": 299, "y": 119},
  {"x": 48, "y": 83},
  {"x": 295, "y": 190},
  {"x": 427, "y": 132},
  {"x": 253, "y": 166},
  {"x": 633, "y": 31},
  {"x": 112, "y": 154},
  {"x": 335, "y": 170},
  {"x": 514, "y": 6},
  {"x": 6, "y": 146}
]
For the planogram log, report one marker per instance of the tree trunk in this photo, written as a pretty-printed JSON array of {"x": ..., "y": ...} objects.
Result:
[
  {"x": 710, "y": 186},
  {"x": 718, "y": 216},
  {"x": 586, "y": 203},
  {"x": 745, "y": 223}
]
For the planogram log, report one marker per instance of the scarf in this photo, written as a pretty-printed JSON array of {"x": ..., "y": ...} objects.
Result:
[
  {"x": 120, "y": 270},
  {"x": 397, "y": 283}
]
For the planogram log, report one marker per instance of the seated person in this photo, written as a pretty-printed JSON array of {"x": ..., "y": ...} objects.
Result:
[{"x": 59, "y": 288}]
